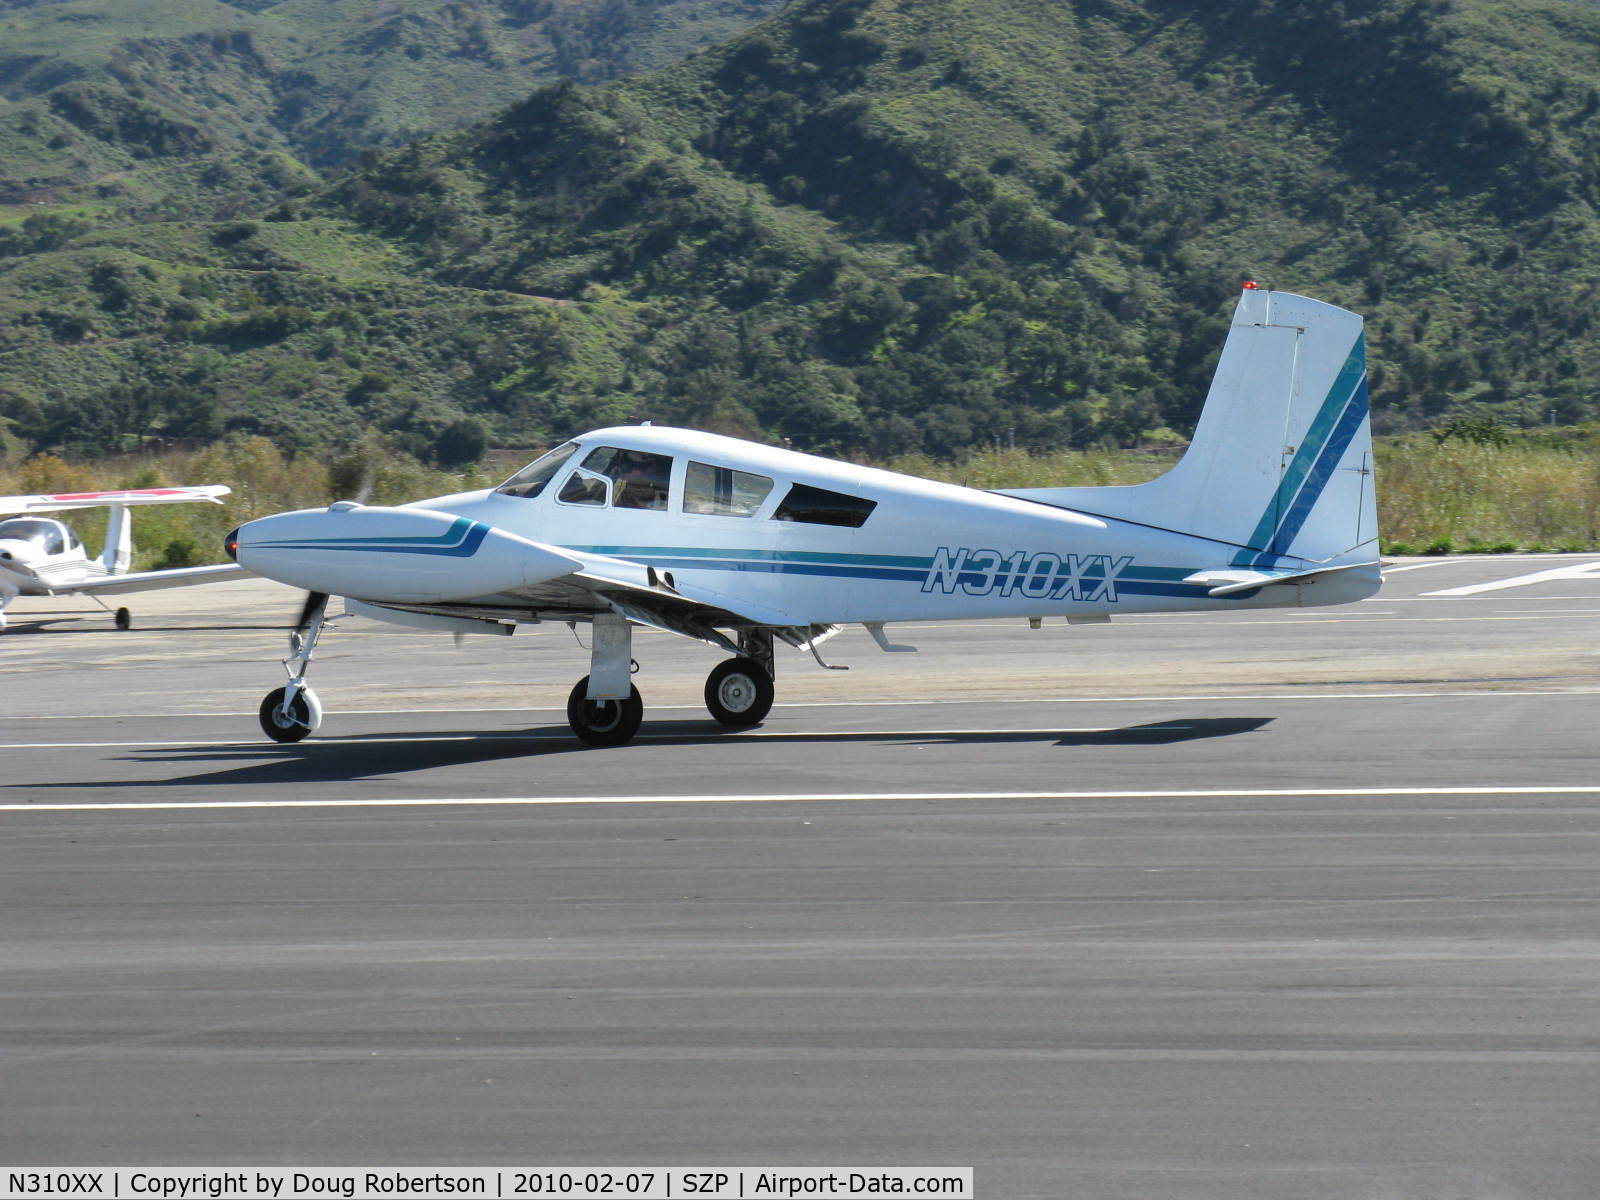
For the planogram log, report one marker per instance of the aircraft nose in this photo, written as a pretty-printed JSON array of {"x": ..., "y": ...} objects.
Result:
[{"x": 230, "y": 544}]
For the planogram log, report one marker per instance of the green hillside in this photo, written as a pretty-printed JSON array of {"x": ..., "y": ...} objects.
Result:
[
  {"x": 884, "y": 226},
  {"x": 185, "y": 107}
]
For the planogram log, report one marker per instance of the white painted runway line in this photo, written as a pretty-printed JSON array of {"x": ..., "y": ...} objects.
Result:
[
  {"x": 1576, "y": 571},
  {"x": 798, "y": 798}
]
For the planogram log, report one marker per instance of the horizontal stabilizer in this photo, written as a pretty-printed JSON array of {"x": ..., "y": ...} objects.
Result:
[{"x": 1230, "y": 581}]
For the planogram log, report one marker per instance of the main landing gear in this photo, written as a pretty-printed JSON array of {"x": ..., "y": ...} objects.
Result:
[
  {"x": 739, "y": 692},
  {"x": 604, "y": 708},
  {"x": 604, "y": 722},
  {"x": 122, "y": 618},
  {"x": 293, "y": 711}
]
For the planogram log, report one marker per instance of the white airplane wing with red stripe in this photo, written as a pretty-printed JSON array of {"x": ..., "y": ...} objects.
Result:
[{"x": 61, "y": 501}]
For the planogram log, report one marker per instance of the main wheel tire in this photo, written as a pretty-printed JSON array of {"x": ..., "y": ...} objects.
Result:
[
  {"x": 604, "y": 722},
  {"x": 303, "y": 717},
  {"x": 739, "y": 692},
  {"x": 123, "y": 618}
]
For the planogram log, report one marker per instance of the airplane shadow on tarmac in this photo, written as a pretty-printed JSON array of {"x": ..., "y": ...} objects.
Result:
[{"x": 379, "y": 755}]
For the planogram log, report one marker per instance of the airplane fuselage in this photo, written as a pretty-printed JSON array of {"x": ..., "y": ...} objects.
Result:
[
  {"x": 40, "y": 557},
  {"x": 926, "y": 550}
]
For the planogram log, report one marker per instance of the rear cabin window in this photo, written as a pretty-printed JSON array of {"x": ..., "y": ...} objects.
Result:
[
  {"x": 722, "y": 491},
  {"x": 819, "y": 506},
  {"x": 530, "y": 481}
]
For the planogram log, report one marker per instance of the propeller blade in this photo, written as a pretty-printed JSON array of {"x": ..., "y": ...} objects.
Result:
[{"x": 311, "y": 609}]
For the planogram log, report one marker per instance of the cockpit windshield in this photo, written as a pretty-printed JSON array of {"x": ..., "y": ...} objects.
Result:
[
  {"x": 530, "y": 481},
  {"x": 49, "y": 536}
]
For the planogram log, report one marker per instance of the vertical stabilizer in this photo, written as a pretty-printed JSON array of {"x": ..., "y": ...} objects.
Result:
[{"x": 1281, "y": 462}]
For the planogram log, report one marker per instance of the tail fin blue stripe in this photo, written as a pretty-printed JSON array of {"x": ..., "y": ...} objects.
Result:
[
  {"x": 1335, "y": 408},
  {"x": 1327, "y": 462}
]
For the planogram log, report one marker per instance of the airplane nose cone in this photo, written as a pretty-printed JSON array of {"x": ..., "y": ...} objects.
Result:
[{"x": 230, "y": 545}]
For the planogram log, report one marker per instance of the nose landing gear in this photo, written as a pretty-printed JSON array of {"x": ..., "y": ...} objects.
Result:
[
  {"x": 288, "y": 720},
  {"x": 293, "y": 711}
]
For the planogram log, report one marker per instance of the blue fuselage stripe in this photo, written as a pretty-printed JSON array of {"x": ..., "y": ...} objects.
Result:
[{"x": 461, "y": 540}]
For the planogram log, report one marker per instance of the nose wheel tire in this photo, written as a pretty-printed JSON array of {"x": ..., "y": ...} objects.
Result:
[
  {"x": 739, "y": 692},
  {"x": 301, "y": 718},
  {"x": 604, "y": 722}
]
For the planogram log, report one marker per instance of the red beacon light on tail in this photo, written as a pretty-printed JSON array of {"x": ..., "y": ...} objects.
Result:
[{"x": 1251, "y": 285}]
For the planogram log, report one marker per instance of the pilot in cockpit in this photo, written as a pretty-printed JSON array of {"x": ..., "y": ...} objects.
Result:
[{"x": 641, "y": 479}]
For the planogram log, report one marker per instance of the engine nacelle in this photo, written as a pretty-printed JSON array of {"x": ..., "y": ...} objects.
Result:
[{"x": 394, "y": 555}]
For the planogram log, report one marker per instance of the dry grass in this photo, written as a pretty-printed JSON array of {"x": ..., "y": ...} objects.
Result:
[
  {"x": 1460, "y": 495},
  {"x": 1432, "y": 496}
]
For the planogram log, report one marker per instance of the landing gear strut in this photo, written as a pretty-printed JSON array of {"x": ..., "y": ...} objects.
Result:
[{"x": 292, "y": 712}]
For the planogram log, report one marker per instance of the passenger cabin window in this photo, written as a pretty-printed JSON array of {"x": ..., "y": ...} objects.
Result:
[
  {"x": 722, "y": 491},
  {"x": 639, "y": 479},
  {"x": 530, "y": 481},
  {"x": 818, "y": 506}
]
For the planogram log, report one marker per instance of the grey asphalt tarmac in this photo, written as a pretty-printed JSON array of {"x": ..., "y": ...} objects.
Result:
[{"x": 1291, "y": 905}]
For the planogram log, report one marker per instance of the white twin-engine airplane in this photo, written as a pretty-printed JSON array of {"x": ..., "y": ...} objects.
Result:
[
  {"x": 43, "y": 557},
  {"x": 741, "y": 545}
]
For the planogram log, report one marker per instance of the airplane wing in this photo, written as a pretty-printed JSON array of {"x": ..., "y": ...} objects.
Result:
[
  {"x": 61, "y": 501},
  {"x": 653, "y": 598},
  {"x": 640, "y": 593},
  {"x": 148, "y": 581}
]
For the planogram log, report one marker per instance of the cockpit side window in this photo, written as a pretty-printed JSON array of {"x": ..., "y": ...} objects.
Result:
[
  {"x": 819, "y": 506},
  {"x": 640, "y": 479},
  {"x": 530, "y": 481},
  {"x": 722, "y": 491},
  {"x": 585, "y": 487}
]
